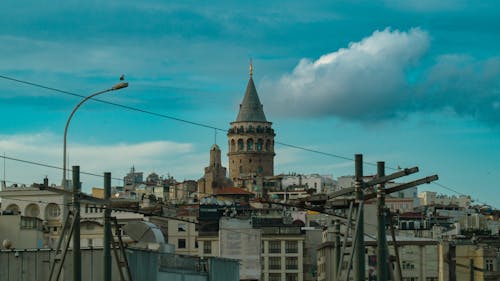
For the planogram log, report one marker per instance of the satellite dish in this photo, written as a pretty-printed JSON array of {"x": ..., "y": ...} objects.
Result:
[{"x": 7, "y": 244}]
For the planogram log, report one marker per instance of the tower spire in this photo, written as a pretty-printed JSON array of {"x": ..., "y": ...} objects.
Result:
[{"x": 251, "y": 68}]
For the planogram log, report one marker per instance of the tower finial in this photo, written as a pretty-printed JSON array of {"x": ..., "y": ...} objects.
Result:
[{"x": 251, "y": 68}]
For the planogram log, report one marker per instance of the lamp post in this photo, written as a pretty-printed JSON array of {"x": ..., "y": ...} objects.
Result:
[
  {"x": 118, "y": 86},
  {"x": 76, "y": 187}
]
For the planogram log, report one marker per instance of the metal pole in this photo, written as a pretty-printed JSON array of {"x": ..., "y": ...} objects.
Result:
[
  {"x": 107, "y": 227},
  {"x": 381, "y": 236},
  {"x": 336, "y": 245},
  {"x": 77, "y": 255},
  {"x": 359, "y": 248}
]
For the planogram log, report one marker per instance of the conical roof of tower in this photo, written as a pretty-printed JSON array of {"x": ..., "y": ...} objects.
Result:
[{"x": 250, "y": 108}]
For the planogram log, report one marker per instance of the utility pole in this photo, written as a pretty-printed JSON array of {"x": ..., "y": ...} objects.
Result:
[
  {"x": 77, "y": 255},
  {"x": 107, "y": 227},
  {"x": 359, "y": 248},
  {"x": 381, "y": 235}
]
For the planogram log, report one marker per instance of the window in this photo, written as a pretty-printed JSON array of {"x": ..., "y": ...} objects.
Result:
[
  {"x": 14, "y": 208},
  {"x": 292, "y": 263},
  {"x": 291, "y": 247},
  {"x": 274, "y": 263},
  {"x": 181, "y": 243},
  {"x": 240, "y": 145},
  {"x": 32, "y": 210},
  {"x": 259, "y": 145},
  {"x": 274, "y": 247},
  {"x": 181, "y": 227},
  {"x": 274, "y": 276},
  {"x": 489, "y": 264},
  {"x": 233, "y": 146},
  {"x": 260, "y": 169},
  {"x": 52, "y": 211},
  {"x": 207, "y": 247},
  {"x": 249, "y": 144},
  {"x": 292, "y": 277}
]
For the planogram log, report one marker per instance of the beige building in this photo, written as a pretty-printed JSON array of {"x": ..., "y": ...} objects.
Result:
[
  {"x": 282, "y": 254},
  {"x": 465, "y": 260},
  {"x": 419, "y": 258},
  {"x": 183, "y": 235},
  {"x": 250, "y": 138},
  {"x": 433, "y": 198},
  {"x": 46, "y": 206}
]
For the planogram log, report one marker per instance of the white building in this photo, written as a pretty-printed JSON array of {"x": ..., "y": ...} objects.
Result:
[{"x": 320, "y": 183}]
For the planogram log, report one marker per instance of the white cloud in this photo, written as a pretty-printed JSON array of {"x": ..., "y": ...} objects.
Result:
[
  {"x": 364, "y": 81},
  {"x": 179, "y": 159},
  {"x": 381, "y": 78}
]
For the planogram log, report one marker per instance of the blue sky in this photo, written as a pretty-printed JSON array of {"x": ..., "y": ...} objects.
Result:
[{"x": 412, "y": 83}]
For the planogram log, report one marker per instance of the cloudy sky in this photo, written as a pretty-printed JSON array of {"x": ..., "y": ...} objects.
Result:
[{"x": 412, "y": 83}]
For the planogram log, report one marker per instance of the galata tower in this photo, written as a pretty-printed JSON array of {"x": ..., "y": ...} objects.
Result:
[{"x": 251, "y": 138}]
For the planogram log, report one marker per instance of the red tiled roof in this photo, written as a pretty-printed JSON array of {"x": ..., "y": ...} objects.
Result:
[{"x": 232, "y": 190}]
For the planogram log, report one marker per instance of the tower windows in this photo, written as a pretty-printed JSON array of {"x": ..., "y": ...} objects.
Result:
[
  {"x": 268, "y": 145},
  {"x": 233, "y": 146},
  {"x": 259, "y": 145},
  {"x": 249, "y": 144},
  {"x": 240, "y": 145}
]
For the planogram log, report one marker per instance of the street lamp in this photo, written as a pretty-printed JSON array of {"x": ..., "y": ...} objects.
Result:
[{"x": 116, "y": 87}]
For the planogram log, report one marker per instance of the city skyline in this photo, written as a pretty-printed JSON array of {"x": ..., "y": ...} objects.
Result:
[{"x": 412, "y": 84}]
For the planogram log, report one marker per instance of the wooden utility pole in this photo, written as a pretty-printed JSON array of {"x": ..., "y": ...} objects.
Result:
[
  {"x": 381, "y": 236},
  {"x": 359, "y": 245},
  {"x": 77, "y": 254},
  {"x": 107, "y": 227}
]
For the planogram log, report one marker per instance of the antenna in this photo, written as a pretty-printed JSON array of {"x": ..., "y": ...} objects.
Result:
[{"x": 215, "y": 136}]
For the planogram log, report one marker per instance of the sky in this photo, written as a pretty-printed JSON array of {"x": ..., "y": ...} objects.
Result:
[{"x": 411, "y": 83}]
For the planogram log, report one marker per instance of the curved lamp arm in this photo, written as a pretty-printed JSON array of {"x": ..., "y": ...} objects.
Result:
[{"x": 118, "y": 86}]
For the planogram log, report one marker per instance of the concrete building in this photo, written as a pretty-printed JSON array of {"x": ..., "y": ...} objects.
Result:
[
  {"x": 20, "y": 232},
  {"x": 475, "y": 259},
  {"x": 250, "y": 138},
  {"x": 183, "y": 192},
  {"x": 183, "y": 235},
  {"x": 319, "y": 183},
  {"x": 419, "y": 258},
  {"x": 282, "y": 249},
  {"x": 432, "y": 198}
]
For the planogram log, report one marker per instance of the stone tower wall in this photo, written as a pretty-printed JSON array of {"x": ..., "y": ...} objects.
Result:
[{"x": 251, "y": 149}]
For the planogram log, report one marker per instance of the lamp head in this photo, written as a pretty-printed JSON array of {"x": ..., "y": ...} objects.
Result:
[{"x": 120, "y": 85}]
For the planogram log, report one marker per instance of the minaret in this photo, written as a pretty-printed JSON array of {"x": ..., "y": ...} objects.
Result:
[{"x": 251, "y": 138}]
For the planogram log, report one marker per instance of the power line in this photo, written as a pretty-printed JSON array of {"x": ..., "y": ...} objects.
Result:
[
  {"x": 187, "y": 122},
  {"x": 140, "y": 110},
  {"x": 51, "y": 166}
]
